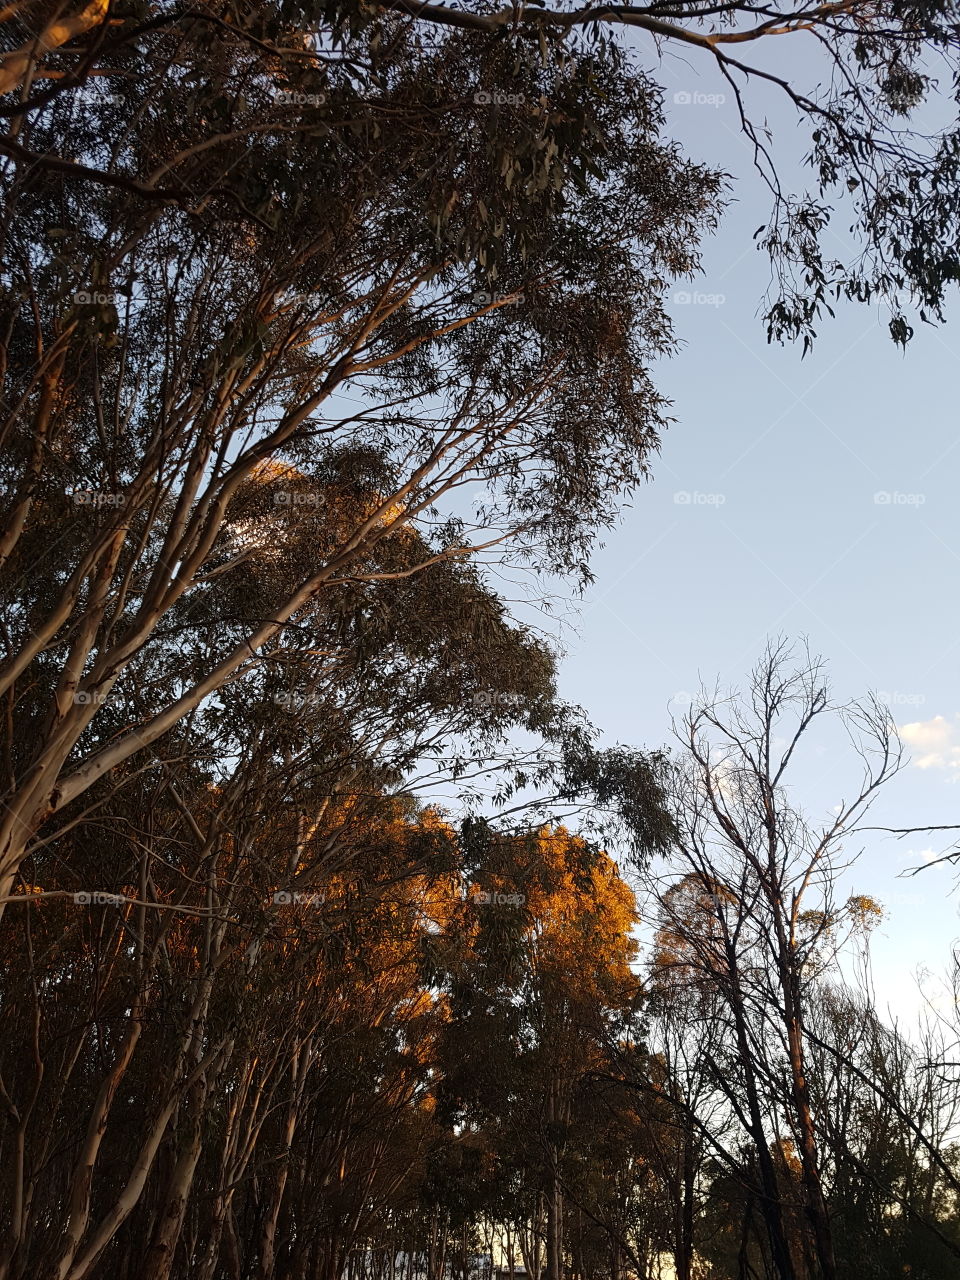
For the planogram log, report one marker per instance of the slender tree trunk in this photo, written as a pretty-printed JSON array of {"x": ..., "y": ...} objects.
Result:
[
  {"x": 816, "y": 1206},
  {"x": 554, "y": 1269},
  {"x": 300, "y": 1065},
  {"x": 80, "y": 1186},
  {"x": 684, "y": 1256},
  {"x": 529, "y": 1241},
  {"x": 743, "y": 1257},
  {"x": 129, "y": 1197},
  {"x": 235, "y": 1271},
  {"x": 17, "y": 1214},
  {"x": 160, "y": 1255},
  {"x": 770, "y": 1202}
]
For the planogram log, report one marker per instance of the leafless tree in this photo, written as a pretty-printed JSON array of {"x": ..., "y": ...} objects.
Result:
[{"x": 754, "y": 920}]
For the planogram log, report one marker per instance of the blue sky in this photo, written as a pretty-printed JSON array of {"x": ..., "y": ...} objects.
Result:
[{"x": 812, "y": 498}]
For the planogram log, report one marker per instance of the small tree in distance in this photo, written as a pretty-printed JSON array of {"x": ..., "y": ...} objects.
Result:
[{"x": 754, "y": 919}]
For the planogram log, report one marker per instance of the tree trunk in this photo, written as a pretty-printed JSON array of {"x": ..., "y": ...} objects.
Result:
[
  {"x": 554, "y": 1270},
  {"x": 816, "y": 1205},
  {"x": 684, "y": 1257},
  {"x": 81, "y": 1182},
  {"x": 159, "y": 1259},
  {"x": 770, "y": 1203}
]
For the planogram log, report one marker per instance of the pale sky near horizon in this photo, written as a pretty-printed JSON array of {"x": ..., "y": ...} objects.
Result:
[{"x": 812, "y": 498}]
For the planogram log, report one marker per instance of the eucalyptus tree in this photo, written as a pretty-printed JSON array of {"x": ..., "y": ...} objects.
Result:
[
  {"x": 439, "y": 309},
  {"x": 237, "y": 1067},
  {"x": 871, "y": 85},
  {"x": 221, "y": 222},
  {"x": 536, "y": 970},
  {"x": 291, "y": 784}
]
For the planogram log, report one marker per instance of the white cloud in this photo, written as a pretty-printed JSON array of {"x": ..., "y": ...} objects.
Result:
[
  {"x": 936, "y": 742},
  {"x": 932, "y": 855}
]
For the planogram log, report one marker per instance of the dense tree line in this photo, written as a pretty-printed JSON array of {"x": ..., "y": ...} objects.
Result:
[
  {"x": 274, "y": 1034},
  {"x": 318, "y": 324}
]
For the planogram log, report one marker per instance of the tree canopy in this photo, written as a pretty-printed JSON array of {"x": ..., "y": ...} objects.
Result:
[{"x": 335, "y": 947}]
